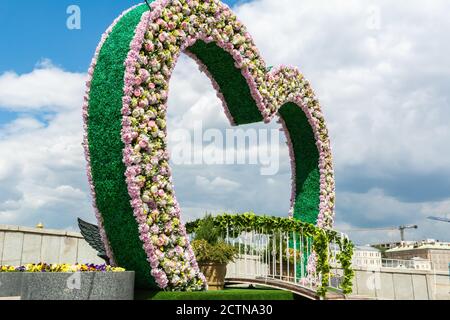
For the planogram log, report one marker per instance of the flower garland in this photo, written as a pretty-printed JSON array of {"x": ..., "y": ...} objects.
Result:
[
  {"x": 43, "y": 267},
  {"x": 163, "y": 33},
  {"x": 144, "y": 135}
]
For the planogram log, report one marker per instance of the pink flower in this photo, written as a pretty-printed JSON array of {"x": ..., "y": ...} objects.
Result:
[
  {"x": 137, "y": 81},
  {"x": 149, "y": 46},
  {"x": 154, "y": 264},
  {"x": 143, "y": 103},
  {"x": 171, "y": 25},
  {"x": 127, "y": 138},
  {"x": 144, "y": 74},
  {"x": 143, "y": 144},
  {"x": 162, "y": 36},
  {"x": 144, "y": 228},
  {"x": 137, "y": 92},
  {"x": 155, "y": 229},
  {"x": 154, "y": 160}
]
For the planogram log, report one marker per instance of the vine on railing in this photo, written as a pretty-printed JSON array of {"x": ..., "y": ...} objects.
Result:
[
  {"x": 345, "y": 257},
  {"x": 321, "y": 238},
  {"x": 320, "y": 247}
]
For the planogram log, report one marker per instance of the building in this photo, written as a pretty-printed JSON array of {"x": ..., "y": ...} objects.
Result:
[
  {"x": 390, "y": 245},
  {"x": 436, "y": 252},
  {"x": 366, "y": 257},
  {"x": 415, "y": 263},
  {"x": 363, "y": 257},
  {"x": 421, "y": 263}
]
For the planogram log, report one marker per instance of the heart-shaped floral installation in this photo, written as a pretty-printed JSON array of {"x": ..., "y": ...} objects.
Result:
[{"x": 126, "y": 136}]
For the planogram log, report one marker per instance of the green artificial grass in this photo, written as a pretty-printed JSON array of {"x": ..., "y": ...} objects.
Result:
[
  {"x": 307, "y": 196},
  {"x": 232, "y": 83},
  {"x": 105, "y": 146},
  {"x": 227, "y": 294}
]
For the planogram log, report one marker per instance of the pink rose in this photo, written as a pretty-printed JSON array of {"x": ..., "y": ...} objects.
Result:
[
  {"x": 137, "y": 92},
  {"x": 143, "y": 144}
]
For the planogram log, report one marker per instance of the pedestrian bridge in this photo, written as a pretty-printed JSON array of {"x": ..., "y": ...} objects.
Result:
[
  {"x": 303, "y": 291},
  {"x": 287, "y": 254}
]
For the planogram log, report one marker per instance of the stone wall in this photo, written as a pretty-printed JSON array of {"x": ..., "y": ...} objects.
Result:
[
  {"x": 21, "y": 245},
  {"x": 396, "y": 284}
]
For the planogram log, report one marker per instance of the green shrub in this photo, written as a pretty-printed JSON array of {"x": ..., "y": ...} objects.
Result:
[
  {"x": 219, "y": 252},
  {"x": 207, "y": 230},
  {"x": 208, "y": 245}
]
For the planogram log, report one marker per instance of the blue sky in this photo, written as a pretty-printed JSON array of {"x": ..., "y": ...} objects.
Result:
[
  {"x": 42, "y": 26},
  {"x": 380, "y": 69}
]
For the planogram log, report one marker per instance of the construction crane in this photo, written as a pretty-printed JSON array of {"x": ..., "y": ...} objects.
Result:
[
  {"x": 400, "y": 228},
  {"x": 439, "y": 219}
]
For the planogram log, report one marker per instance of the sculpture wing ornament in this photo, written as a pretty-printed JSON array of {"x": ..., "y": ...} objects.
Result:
[{"x": 91, "y": 234}]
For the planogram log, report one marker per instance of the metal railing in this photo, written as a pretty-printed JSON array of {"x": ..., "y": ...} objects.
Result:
[{"x": 280, "y": 256}]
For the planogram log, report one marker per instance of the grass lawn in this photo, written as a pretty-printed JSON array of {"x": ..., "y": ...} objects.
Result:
[{"x": 226, "y": 294}]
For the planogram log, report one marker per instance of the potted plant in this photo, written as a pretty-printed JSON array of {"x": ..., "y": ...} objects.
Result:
[{"x": 212, "y": 253}]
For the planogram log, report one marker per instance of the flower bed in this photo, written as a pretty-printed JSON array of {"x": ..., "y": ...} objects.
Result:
[{"x": 43, "y": 267}]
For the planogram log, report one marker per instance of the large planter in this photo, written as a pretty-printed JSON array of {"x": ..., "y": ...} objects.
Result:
[
  {"x": 214, "y": 274},
  {"x": 68, "y": 286}
]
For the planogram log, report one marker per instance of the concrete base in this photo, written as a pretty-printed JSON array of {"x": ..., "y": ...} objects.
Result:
[{"x": 68, "y": 286}]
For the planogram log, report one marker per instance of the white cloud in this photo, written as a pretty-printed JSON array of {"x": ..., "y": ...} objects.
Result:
[
  {"x": 218, "y": 184},
  {"x": 376, "y": 210},
  {"x": 42, "y": 175},
  {"x": 191, "y": 98},
  {"x": 381, "y": 90},
  {"x": 45, "y": 88},
  {"x": 24, "y": 123}
]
